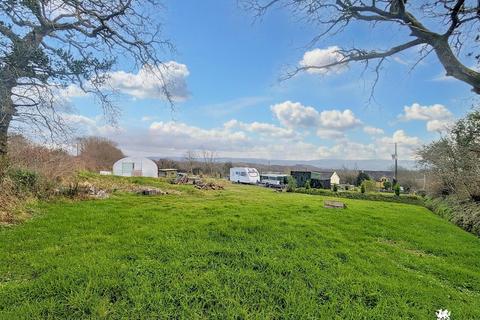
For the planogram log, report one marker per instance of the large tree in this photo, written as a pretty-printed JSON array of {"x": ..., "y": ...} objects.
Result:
[
  {"x": 453, "y": 160},
  {"x": 449, "y": 28},
  {"x": 47, "y": 45}
]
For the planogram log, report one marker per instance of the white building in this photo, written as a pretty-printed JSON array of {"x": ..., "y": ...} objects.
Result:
[{"x": 135, "y": 167}]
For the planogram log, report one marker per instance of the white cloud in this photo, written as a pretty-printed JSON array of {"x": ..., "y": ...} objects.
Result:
[
  {"x": 90, "y": 126},
  {"x": 262, "y": 128},
  {"x": 419, "y": 112},
  {"x": 323, "y": 57},
  {"x": 168, "y": 134},
  {"x": 336, "y": 119},
  {"x": 407, "y": 145},
  {"x": 71, "y": 91},
  {"x": 329, "y": 124},
  {"x": 438, "y": 125},
  {"x": 330, "y": 134},
  {"x": 437, "y": 116},
  {"x": 294, "y": 114},
  {"x": 146, "y": 85},
  {"x": 373, "y": 131}
]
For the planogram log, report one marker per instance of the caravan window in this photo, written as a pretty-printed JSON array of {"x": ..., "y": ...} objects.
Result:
[
  {"x": 243, "y": 174},
  {"x": 252, "y": 173}
]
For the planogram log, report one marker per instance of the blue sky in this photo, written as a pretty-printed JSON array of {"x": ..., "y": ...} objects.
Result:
[{"x": 229, "y": 99}]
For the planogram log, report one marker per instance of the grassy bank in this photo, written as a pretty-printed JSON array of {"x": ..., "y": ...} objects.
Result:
[
  {"x": 245, "y": 252},
  {"x": 465, "y": 214}
]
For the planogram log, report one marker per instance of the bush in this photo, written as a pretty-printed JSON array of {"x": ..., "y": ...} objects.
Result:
[
  {"x": 362, "y": 188},
  {"x": 291, "y": 184},
  {"x": 396, "y": 188},
  {"x": 335, "y": 188},
  {"x": 362, "y": 176},
  {"x": 465, "y": 214},
  {"x": 307, "y": 184},
  {"x": 421, "y": 193},
  {"x": 387, "y": 185},
  {"x": 24, "y": 180}
]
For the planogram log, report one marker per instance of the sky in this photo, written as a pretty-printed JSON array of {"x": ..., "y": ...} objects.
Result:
[{"x": 225, "y": 77}]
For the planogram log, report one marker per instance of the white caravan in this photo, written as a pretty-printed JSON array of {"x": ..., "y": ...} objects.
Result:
[{"x": 244, "y": 175}]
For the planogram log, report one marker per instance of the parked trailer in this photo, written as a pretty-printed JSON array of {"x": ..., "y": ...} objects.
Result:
[
  {"x": 274, "y": 180},
  {"x": 244, "y": 175}
]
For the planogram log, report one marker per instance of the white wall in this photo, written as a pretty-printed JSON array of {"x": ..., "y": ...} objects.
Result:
[
  {"x": 147, "y": 167},
  {"x": 335, "y": 179}
]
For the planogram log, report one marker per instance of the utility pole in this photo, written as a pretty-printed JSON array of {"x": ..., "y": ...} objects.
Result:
[{"x": 395, "y": 158}]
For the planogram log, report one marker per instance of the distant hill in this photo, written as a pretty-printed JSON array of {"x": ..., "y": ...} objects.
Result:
[{"x": 377, "y": 165}]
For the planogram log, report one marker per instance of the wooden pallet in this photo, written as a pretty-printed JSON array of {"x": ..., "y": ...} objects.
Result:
[{"x": 334, "y": 204}]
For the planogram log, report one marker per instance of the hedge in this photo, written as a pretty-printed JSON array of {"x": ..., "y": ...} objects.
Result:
[
  {"x": 465, "y": 214},
  {"x": 404, "y": 198}
]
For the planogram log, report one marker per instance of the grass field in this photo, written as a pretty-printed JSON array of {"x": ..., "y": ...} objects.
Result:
[{"x": 242, "y": 253}]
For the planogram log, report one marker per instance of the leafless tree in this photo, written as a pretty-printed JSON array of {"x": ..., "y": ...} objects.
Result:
[
  {"x": 46, "y": 45},
  {"x": 191, "y": 158},
  {"x": 449, "y": 28},
  {"x": 98, "y": 153},
  {"x": 209, "y": 158}
]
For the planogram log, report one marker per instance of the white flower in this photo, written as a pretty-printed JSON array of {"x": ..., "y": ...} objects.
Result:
[{"x": 443, "y": 314}]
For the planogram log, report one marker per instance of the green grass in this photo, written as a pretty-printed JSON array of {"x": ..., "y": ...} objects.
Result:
[{"x": 242, "y": 253}]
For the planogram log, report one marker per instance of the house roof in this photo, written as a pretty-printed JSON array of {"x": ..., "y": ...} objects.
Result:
[
  {"x": 377, "y": 175},
  {"x": 324, "y": 175},
  {"x": 319, "y": 175}
]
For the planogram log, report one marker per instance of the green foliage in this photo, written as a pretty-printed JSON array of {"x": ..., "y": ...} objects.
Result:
[
  {"x": 369, "y": 185},
  {"x": 465, "y": 214},
  {"x": 362, "y": 188},
  {"x": 307, "y": 184},
  {"x": 335, "y": 187},
  {"x": 24, "y": 180},
  {"x": 245, "y": 252},
  {"x": 362, "y": 176},
  {"x": 387, "y": 185},
  {"x": 291, "y": 184},
  {"x": 371, "y": 196},
  {"x": 396, "y": 189}
]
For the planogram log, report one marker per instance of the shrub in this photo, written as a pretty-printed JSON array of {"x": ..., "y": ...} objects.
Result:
[
  {"x": 307, "y": 184},
  {"x": 24, "y": 180},
  {"x": 421, "y": 193},
  {"x": 291, "y": 184},
  {"x": 396, "y": 189},
  {"x": 362, "y": 188},
  {"x": 387, "y": 185},
  {"x": 335, "y": 188},
  {"x": 362, "y": 176},
  {"x": 465, "y": 214}
]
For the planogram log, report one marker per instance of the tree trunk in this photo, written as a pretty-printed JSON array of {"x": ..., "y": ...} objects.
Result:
[
  {"x": 6, "y": 114},
  {"x": 453, "y": 66}
]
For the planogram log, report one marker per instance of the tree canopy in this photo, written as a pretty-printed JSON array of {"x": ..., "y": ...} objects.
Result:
[{"x": 47, "y": 45}]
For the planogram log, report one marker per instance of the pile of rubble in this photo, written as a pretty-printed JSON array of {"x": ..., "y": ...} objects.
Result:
[
  {"x": 207, "y": 186},
  {"x": 151, "y": 191},
  {"x": 91, "y": 191}
]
